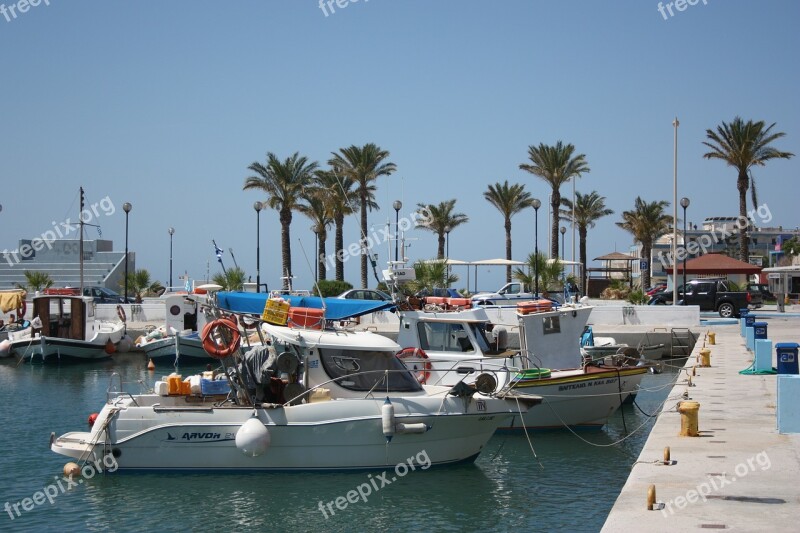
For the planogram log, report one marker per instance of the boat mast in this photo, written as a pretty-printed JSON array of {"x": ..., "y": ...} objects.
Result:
[{"x": 80, "y": 249}]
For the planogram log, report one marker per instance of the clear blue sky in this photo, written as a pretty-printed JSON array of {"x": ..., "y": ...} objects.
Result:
[{"x": 165, "y": 104}]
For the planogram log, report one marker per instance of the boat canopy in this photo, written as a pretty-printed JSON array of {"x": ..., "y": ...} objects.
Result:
[{"x": 335, "y": 308}]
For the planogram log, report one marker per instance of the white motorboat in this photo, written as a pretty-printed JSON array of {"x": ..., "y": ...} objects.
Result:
[
  {"x": 65, "y": 329},
  {"x": 449, "y": 347},
  {"x": 595, "y": 347},
  {"x": 178, "y": 340},
  {"x": 344, "y": 401}
]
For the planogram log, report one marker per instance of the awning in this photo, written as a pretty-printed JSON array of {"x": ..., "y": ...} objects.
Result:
[
  {"x": 504, "y": 262},
  {"x": 335, "y": 308}
]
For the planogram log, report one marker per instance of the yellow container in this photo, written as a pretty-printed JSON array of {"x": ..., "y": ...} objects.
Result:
[
  {"x": 276, "y": 311},
  {"x": 174, "y": 384},
  {"x": 690, "y": 414}
]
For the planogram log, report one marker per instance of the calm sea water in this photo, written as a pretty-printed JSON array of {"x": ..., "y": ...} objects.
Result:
[{"x": 571, "y": 486}]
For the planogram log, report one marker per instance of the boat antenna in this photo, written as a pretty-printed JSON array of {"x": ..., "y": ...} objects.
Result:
[
  {"x": 81, "y": 224},
  {"x": 311, "y": 270},
  {"x": 233, "y": 257}
]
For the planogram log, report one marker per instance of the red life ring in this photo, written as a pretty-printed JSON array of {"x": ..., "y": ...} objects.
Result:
[
  {"x": 221, "y": 344},
  {"x": 416, "y": 361},
  {"x": 121, "y": 313}
]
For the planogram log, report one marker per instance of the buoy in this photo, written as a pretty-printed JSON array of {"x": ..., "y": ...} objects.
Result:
[
  {"x": 151, "y": 366},
  {"x": 92, "y": 419},
  {"x": 651, "y": 497},
  {"x": 387, "y": 416},
  {"x": 110, "y": 348},
  {"x": 667, "y": 456},
  {"x": 418, "y": 427},
  {"x": 689, "y": 411},
  {"x": 71, "y": 469},
  {"x": 253, "y": 438}
]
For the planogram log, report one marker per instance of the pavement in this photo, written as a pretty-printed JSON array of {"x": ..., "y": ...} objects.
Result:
[{"x": 740, "y": 473}]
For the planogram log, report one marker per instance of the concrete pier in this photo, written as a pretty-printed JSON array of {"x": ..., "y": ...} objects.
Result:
[{"x": 740, "y": 473}]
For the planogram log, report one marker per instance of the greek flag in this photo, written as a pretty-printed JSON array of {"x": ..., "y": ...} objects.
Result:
[{"x": 218, "y": 252}]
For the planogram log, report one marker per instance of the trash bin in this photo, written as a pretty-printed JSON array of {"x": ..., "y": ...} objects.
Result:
[
  {"x": 759, "y": 330},
  {"x": 787, "y": 357},
  {"x": 749, "y": 321}
]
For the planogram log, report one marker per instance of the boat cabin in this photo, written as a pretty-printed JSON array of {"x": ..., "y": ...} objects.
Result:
[{"x": 65, "y": 317}]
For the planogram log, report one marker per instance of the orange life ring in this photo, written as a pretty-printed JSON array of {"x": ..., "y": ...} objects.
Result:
[
  {"x": 417, "y": 361},
  {"x": 121, "y": 313},
  {"x": 221, "y": 344}
]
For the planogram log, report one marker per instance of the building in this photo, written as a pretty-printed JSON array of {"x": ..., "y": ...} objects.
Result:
[{"x": 61, "y": 261}]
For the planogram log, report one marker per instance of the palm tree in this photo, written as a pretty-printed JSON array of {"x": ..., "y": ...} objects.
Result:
[
  {"x": 431, "y": 275},
  {"x": 509, "y": 201},
  {"x": 647, "y": 222},
  {"x": 232, "y": 280},
  {"x": 140, "y": 283},
  {"x": 284, "y": 182},
  {"x": 550, "y": 272},
  {"x": 556, "y": 165},
  {"x": 588, "y": 209},
  {"x": 440, "y": 219},
  {"x": 743, "y": 145},
  {"x": 320, "y": 211},
  {"x": 36, "y": 281},
  {"x": 364, "y": 165}
]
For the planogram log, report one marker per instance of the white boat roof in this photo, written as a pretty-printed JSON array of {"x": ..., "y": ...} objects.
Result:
[
  {"x": 354, "y": 340},
  {"x": 468, "y": 315}
]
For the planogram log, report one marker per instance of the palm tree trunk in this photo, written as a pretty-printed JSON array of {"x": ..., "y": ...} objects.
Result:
[
  {"x": 440, "y": 251},
  {"x": 555, "y": 204},
  {"x": 339, "y": 244},
  {"x": 363, "y": 236},
  {"x": 582, "y": 231},
  {"x": 323, "y": 236},
  {"x": 646, "y": 253},
  {"x": 742, "y": 184},
  {"x": 286, "y": 246},
  {"x": 508, "y": 248}
]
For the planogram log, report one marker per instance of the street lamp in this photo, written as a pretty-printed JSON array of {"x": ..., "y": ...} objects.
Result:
[
  {"x": 127, "y": 208},
  {"x": 258, "y": 206},
  {"x": 171, "y": 232},
  {"x": 684, "y": 204},
  {"x": 398, "y": 205},
  {"x": 536, "y": 205},
  {"x": 316, "y": 244},
  {"x": 563, "y": 232},
  {"x": 447, "y": 230}
]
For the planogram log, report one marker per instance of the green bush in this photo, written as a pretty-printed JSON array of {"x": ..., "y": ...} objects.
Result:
[
  {"x": 638, "y": 297},
  {"x": 330, "y": 287}
]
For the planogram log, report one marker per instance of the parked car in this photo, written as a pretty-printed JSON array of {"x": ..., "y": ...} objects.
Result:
[
  {"x": 365, "y": 294},
  {"x": 102, "y": 295},
  {"x": 711, "y": 295},
  {"x": 761, "y": 289},
  {"x": 439, "y": 292},
  {"x": 655, "y": 289}
]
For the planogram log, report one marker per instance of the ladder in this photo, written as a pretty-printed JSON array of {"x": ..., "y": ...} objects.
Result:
[{"x": 681, "y": 342}]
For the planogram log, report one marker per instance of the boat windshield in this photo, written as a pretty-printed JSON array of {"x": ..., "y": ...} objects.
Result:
[{"x": 364, "y": 370}]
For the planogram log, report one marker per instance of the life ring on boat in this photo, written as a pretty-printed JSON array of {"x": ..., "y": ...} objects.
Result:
[
  {"x": 218, "y": 343},
  {"x": 417, "y": 361},
  {"x": 121, "y": 313}
]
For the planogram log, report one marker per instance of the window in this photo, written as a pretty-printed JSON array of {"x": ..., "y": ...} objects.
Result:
[
  {"x": 363, "y": 370},
  {"x": 552, "y": 324},
  {"x": 444, "y": 337}
]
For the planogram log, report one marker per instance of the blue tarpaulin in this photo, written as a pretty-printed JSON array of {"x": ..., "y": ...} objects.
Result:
[{"x": 335, "y": 308}]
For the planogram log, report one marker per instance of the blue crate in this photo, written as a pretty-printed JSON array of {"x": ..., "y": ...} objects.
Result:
[{"x": 209, "y": 387}]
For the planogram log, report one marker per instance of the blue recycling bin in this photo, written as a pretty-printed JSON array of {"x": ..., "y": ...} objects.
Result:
[
  {"x": 744, "y": 312},
  {"x": 787, "y": 357},
  {"x": 759, "y": 330},
  {"x": 749, "y": 321}
]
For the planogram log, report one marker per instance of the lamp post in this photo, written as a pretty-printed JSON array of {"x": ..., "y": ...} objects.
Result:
[
  {"x": 258, "y": 206},
  {"x": 447, "y": 230},
  {"x": 398, "y": 205},
  {"x": 536, "y": 205},
  {"x": 675, "y": 125},
  {"x": 171, "y": 232},
  {"x": 315, "y": 229},
  {"x": 127, "y": 208},
  {"x": 684, "y": 204},
  {"x": 563, "y": 232}
]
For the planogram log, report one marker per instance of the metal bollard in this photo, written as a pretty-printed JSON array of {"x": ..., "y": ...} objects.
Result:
[
  {"x": 712, "y": 338},
  {"x": 689, "y": 411},
  {"x": 705, "y": 358},
  {"x": 651, "y": 497}
]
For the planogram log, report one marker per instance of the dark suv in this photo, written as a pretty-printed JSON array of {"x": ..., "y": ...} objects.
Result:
[
  {"x": 762, "y": 289},
  {"x": 102, "y": 295}
]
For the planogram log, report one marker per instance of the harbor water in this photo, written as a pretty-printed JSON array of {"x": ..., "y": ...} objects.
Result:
[{"x": 570, "y": 483}]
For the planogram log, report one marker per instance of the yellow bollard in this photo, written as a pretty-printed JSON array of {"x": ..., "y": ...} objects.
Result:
[
  {"x": 705, "y": 358},
  {"x": 694, "y": 370},
  {"x": 689, "y": 411},
  {"x": 651, "y": 497},
  {"x": 667, "y": 459},
  {"x": 712, "y": 338}
]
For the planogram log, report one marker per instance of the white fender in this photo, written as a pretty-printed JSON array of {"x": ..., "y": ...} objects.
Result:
[
  {"x": 253, "y": 438},
  {"x": 387, "y": 415}
]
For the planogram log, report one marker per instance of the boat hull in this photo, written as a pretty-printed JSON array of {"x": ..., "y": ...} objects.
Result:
[
  {"x": 331, "y": 435},
  {"x": 190, "y": 348},
  {"x": 55, "y": 350}
]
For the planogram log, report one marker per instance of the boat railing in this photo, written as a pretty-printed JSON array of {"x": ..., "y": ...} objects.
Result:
[{"x": 115, "y": 391}]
